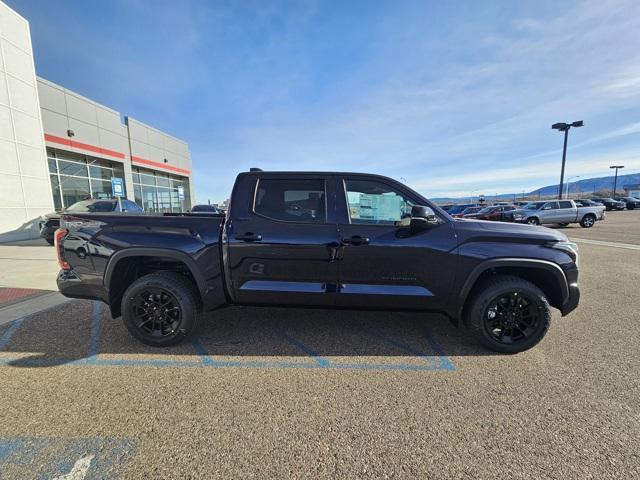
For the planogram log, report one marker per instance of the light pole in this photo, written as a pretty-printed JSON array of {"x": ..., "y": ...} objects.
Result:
[
  {"x": 568, "y": 182},
  {"x": 615, "y": 181},
  {"x": 564, "y": 127}
]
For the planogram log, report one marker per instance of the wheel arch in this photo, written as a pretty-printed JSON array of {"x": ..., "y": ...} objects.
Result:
[
  {"x": 126, "y": 266},
  {"x": 547, "y": 276}
]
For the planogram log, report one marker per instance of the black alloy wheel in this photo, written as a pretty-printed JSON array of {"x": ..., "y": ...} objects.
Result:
[
  {"x": 507, "y": 314},
  {"x": 156, "y": 312},
  {"x": 161, "y": 308},
  {"x": 511, "y": 318}
]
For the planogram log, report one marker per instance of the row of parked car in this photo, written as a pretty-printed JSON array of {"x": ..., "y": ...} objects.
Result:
[{"x": 560, "y": 212}]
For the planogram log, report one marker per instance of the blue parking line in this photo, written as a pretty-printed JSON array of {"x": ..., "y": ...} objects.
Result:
[
  {"x": 445, "y": 361},
  {"x": 10, "y": 332},
  {"x": 321, "y": 361},
  {"x": 206, "y": 359},
  {"x": 94, "y": 342}
]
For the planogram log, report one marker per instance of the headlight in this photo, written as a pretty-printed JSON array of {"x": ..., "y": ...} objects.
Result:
[
  {"x": 569, "y": 248},
  {"x": 518, "y": 216}
]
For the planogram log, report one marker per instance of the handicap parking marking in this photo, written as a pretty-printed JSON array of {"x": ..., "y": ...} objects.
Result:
[
  {"x": 417, "y": 359},
  {"x": 54, "y": 458}
]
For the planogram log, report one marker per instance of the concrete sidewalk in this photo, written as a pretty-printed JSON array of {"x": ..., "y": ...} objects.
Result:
[
  {"x": 28, "y": 264},
  {"x": 28, "y": 271}
]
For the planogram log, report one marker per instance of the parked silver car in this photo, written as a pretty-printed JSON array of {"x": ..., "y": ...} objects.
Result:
[{"x": 559, "y": 212}]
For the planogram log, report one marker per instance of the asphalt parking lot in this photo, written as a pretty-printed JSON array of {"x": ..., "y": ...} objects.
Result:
[{"x": 272, "y": 393}]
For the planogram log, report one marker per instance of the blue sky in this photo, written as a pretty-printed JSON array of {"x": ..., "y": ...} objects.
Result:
[{"x": 455, "y": 97}]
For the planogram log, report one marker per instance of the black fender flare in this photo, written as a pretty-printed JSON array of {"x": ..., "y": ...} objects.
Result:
[
  {"x": 154, "y": 252},
  {"x": 525, "y": 263}
]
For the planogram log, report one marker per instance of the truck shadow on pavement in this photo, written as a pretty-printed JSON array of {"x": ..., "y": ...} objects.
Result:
[{"x": 83, "y": 333}]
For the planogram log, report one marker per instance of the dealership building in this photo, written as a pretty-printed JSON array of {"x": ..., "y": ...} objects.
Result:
[{"x": 58, "y": 147}]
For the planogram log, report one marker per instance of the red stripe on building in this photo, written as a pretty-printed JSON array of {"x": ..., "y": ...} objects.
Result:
[
  {"x": 151, "y": 163},
  {"x": 82, "y": 146}
]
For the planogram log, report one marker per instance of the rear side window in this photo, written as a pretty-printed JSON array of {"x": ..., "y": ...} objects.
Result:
[
  {"x": 291, "y": 200},
  {"x": 565, "y": 205}
]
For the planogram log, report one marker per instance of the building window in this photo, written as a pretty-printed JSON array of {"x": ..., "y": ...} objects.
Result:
[
  {"x": 76, "y": 177},
  {"x": 158, "y": 192}
]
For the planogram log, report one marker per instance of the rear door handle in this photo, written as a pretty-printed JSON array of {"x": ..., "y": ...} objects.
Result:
[
  {"x": 249, "y": 237},
  {"x": 356, "y": 240}
]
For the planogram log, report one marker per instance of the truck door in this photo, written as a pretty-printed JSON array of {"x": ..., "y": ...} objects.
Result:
[
  {"x": 383, "y": 265},
  {"x": 282, "y": 241},
  {"x": 566, "y": 212},
  {"x": 550, "y": 213}
]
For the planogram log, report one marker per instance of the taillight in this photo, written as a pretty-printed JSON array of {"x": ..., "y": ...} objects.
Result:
[{"x": 57, "y": 241}]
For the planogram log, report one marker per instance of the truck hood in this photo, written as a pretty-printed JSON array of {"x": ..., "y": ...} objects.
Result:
[{"x": 469, "y": 229}]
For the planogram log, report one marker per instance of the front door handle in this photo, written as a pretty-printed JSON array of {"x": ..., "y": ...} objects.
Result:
[
  {"x": 356, "y": 240},
  {"x": 249, "y": 237}
]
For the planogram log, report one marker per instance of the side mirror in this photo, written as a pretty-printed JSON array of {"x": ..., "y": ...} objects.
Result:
[{"x": 423, "y": 217}]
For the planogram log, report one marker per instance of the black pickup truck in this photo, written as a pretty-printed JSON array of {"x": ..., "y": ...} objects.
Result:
[{"x": 334, "y": 240}]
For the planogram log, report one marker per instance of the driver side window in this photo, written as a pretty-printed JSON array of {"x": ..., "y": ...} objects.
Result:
[{"x": 375, "y": 203}]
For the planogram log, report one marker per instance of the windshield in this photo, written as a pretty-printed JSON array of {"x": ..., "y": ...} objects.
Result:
[
  {"x": 92, "y": 206},
  {"x": 534, "y": 205},
  {"x": 204, "y": 208}
]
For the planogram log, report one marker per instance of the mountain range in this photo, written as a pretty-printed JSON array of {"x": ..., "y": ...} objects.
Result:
[{"x": 588, "y": 186}]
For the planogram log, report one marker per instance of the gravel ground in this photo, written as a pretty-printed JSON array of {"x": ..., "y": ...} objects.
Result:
[{"x": 569, "y": 408}]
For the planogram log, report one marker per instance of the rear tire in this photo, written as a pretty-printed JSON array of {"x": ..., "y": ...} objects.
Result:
[
  {"x": 588, "y": 221},
  {"x": 161, "y": 309},
  {"x": 508, "y": 314}
]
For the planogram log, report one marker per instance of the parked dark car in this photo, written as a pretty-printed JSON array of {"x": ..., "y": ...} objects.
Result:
[
  {"x": 497, "y": 213},
  {"x": 206, "y": 209},
  {"x": 456, "y": 209},
  {"x": 630, "y": 202},
  {"x": 332, "y": 240},
  {"x": 585, "y": 202},
  {"x": 610, "y": 203},
  {"x": 52, "y": 220},
  {"x": 467, "y": 211}
]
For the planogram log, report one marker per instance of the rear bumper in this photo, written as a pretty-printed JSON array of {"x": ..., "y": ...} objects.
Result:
[{"x": 72, "y": 286}]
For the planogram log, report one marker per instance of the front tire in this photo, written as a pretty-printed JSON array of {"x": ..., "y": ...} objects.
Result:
[
  {"x": 588, "y": 221},
  {"x": 161, "y": 309},
  {"x": 508, "y": 314},
  {"x": 533, "y": 221}
]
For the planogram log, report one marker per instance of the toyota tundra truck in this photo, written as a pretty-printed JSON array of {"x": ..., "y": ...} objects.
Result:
[{"x": 329, "y": 240}]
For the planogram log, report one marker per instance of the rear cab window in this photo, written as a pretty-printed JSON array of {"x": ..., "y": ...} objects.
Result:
[{"x": 291, "y": 200}]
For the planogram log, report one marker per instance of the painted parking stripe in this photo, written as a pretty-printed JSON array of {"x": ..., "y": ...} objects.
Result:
[
  {"x": 628, "y": 246},
  {"x": 10, "y": 332},
  {"x": 94, "y": 342},
  {"x": 206, "y": 360},
  {"x": 321, "y": 361}
]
